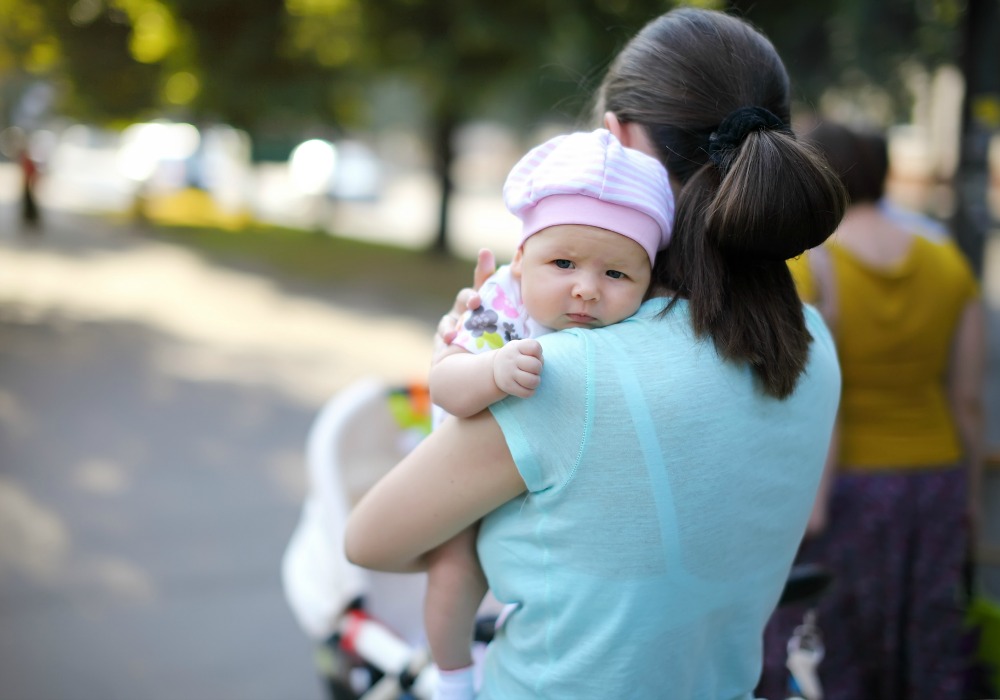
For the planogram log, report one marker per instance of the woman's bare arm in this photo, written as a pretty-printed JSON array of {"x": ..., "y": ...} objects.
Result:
[
  {"x": 968, "y": 362},
  {"x": 458, "y": 474},
  {"x": 820, "y": 515}
]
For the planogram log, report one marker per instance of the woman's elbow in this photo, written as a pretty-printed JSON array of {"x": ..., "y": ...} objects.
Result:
[
  {"x": 355, "y": 548},
  {"x": 369, "y": 552}
]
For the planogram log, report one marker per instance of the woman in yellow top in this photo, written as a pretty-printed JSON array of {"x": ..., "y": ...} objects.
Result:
[{"x": 902, "y": 496}]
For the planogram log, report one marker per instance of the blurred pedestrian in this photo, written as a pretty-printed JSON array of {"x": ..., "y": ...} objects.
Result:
[
  {"x": 894, "y": 521},
  {"x": 30, "y": 216}
]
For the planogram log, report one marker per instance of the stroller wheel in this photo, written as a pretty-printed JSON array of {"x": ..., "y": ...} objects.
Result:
[{"x": 340, "y": 672}]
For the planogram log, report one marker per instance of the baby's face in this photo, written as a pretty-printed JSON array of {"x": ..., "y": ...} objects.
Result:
[{"x": 576, "y": 276}]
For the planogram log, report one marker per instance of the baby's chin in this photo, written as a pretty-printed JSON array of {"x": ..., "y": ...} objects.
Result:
[
  {"x": 566, "y": 322},
  {"x": 563, "y": 324}
]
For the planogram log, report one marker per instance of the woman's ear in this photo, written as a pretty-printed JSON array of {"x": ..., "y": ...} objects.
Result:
[
  {"x": 630, "y": 134},
  {"x": 612, "y": 124}
]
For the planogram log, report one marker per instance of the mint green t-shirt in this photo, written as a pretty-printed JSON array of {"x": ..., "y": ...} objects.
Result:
[{"x": 667, "y": 495}]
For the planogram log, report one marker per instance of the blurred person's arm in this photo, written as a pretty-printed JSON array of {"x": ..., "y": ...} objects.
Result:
[
  {"x": 434, "y": 493},
  {"x": 965, "y": 386},
  {"x": 820, "y": 515}
]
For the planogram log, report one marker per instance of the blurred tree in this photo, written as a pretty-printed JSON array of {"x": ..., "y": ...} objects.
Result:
[
  {"x": 317, "y": 64},
  {"x": 856, "y": 46},
  {"x": 243, "y": 69},
  {"x": 91, "y": 60},
  {"x": 861, "y": 48},
  {"x": 122, "y": 60},
  {"x": 980, "y": 57},
  {"x": 518, "y": 61},
  {"x": 27, "y": 48}
]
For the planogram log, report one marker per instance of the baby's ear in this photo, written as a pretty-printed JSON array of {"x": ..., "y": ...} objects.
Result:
[{"x": 515, "y": 265}]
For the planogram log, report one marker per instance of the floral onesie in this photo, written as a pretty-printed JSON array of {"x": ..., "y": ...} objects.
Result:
[{"x": 500, "y": 318}]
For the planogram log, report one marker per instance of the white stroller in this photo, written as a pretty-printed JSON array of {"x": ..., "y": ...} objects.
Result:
[{"x": 368, "y": 626}]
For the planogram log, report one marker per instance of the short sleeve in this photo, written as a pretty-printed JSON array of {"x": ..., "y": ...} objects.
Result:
[{"x": 547, "y": 433}]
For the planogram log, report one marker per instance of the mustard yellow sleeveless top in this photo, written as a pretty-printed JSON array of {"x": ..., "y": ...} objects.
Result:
[{"x": 894, "y": 333}]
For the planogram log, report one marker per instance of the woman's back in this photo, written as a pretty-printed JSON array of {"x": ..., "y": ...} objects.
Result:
[
  {"x": 686, "y": 478},
  {"x": 896, "y": 319}
]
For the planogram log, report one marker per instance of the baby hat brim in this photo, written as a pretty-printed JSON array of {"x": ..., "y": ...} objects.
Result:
[{"x": 589, "y": 178}]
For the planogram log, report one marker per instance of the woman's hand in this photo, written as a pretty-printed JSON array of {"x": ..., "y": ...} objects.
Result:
[{"x": 467, "y": 298}]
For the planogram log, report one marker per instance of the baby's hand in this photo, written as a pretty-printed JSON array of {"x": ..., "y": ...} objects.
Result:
[{"x": 517, "y": 367}]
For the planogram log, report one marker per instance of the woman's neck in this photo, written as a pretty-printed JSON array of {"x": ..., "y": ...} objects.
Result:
[{"x": 872, "y": 236}]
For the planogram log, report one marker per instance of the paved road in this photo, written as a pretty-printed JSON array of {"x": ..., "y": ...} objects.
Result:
[{"x": 153, "y": 410}]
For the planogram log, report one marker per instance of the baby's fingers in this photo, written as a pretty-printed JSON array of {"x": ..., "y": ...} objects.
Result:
[
  {"x": 524, "y": 385},
  {"x": 529, "y": 365},
  {"x": 530, "y": 348}
]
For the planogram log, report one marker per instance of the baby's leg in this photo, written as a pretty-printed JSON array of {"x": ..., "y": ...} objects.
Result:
[{"x": 455, "y": 589}]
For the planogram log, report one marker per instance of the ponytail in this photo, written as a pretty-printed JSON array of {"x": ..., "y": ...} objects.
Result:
[
  {"x": 759, "y": 200},
  {"x": 712, "y": 94}
]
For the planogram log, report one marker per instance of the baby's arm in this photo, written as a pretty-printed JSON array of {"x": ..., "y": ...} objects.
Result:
[{"x": 465, "y": 383}]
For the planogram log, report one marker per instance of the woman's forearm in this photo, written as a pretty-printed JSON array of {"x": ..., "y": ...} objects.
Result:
[
  {"x": 819, "y": 517},
  {"x": 458, "y": 474}
]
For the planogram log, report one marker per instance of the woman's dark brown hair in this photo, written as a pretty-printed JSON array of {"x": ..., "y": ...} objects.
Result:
[{"x": 747, "y": 209}]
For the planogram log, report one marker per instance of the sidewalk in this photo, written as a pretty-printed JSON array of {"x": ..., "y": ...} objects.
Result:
[{"x": 153, "y": 413}]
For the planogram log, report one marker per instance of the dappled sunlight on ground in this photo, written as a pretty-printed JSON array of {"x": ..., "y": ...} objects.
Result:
[{"x": 228, "y": 325}]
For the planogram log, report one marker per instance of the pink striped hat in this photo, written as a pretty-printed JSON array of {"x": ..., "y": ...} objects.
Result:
[{"x": 590, "y": 178}]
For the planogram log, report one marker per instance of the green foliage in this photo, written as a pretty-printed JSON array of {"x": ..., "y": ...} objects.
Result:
[
  {"x": 44, "y": 40},
  {"x": 257, "y": 63},
  {"x": 96, "y": 57},
  {"x": 247, "y": 77},
  {"x": 852, "y": 45},
  {"x": 468, "y": 58}
]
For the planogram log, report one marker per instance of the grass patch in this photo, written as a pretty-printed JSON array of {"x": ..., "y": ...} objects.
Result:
[{"x": 419, "y": 282}]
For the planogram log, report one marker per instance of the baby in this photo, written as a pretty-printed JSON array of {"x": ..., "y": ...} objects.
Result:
[{"x": 594, "y": 214}]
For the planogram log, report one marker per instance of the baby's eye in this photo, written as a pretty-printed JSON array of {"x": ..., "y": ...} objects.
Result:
[
  {"x": 615, "y": 274},
  {"x": 563, "y": 264}
]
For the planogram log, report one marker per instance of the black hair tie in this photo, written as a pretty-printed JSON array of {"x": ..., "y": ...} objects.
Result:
[{"x": 734, "y": 128}]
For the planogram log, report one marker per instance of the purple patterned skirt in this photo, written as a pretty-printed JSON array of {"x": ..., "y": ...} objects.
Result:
[{"x": 892, "y": 619}]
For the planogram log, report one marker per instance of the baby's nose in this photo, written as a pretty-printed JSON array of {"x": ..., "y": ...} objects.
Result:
[{"x": 585, "y": 288}]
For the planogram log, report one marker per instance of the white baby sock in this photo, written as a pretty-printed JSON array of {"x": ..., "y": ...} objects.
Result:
[{"x": 455, "y": 685}]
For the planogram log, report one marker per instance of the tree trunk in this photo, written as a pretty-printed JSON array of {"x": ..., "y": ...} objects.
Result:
[
  {"x": 444, "y": 155},
  {"x": 980, "y": 56}
]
